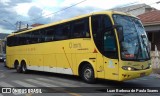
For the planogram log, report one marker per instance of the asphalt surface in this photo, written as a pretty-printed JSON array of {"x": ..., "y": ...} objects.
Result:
[{"x": 53, "y": 84}]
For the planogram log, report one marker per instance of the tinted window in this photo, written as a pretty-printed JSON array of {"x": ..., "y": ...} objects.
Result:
[
  {"x": 81, "y": 28},
  {"x": 74, "y": 29},
  {"x": 11, "y": 41},
  {"x": 21, "y": 39},
  {"x": 104, "y": 36},
  {"x": 35, "y": 35},
  {"x": 49, "y": 34},
  {"x": 28, "y": 38},
  {"x": 62, "y": 32},
  {"x": 97, "y": 28}
]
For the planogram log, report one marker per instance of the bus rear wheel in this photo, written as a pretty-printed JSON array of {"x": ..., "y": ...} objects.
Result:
[
  {"x": 19, "y": 68},
  {"x": 24, "y": 68},
  {"x": 87, "y": 74}
]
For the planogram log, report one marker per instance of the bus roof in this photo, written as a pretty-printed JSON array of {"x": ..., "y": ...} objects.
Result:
[{"x": 70, "y": 19}]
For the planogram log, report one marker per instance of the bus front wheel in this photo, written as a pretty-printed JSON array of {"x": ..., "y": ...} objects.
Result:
[{"x": 88, "y": 74}]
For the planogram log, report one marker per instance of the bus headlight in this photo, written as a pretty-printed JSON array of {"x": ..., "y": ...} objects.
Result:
[
  {"x": 150, "y": 65},
  {"x": 128, "y": 68}
]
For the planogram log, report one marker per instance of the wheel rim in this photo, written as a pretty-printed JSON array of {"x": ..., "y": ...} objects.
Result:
[
  {"x": 87, "y": 73},
  {"x": 24, "y": 68},
  {"x": 17, "y": 67}
]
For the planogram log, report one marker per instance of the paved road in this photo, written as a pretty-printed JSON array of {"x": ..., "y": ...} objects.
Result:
[{"x": 9, "y": 78}]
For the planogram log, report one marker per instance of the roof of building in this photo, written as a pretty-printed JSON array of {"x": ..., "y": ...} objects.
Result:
[
  {"x": 150, "y": 18},
  {"x": 131, "y": 7},
  {"x": 3, "y": 35},
  {"x": 36, "y": 24},
  {"x": 134, "y": 9}
]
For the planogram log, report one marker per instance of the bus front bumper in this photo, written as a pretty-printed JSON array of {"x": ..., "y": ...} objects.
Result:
[{"x": 128, "y": 75}]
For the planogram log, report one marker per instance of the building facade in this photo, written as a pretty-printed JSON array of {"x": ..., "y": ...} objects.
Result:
[
  {"x": 135, "y": 9},
  {"x": 3, "y": 43},
  {"x": 151, "y": 22}
]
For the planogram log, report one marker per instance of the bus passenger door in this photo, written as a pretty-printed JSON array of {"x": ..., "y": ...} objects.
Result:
[
  {"x": 105, "y": 40},
  {"x": 111, "y": 68},
  {"x": 110, "y": 55}
]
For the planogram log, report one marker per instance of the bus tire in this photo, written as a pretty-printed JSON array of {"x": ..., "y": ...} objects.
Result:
[
  {"x": 87, "y": 73},
  {"x": 19, "y": 68},
  {"x": 24, "y": 68}
]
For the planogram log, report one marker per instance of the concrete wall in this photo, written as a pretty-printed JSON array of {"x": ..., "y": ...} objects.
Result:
[{"x": 155, "y": 60}]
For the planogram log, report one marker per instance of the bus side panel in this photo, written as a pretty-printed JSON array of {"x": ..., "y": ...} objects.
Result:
[
  {"x": 63, "y": 63},
  {"x": 36, "y": 62},
  {"x": 68, "y": 64},
  {"x": 8, "y": 62},
  {"x": 49, "y": 63},
  {"x": 74, "y": 64},
  {"x": 40, "y": 62},
  {"x": 100, "y": 66},
  {"x": 87, "y": 57},
  {"x": 32, "y": 65}
]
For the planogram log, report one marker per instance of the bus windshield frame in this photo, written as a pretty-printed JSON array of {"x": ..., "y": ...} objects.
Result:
[{"x": 134, "y": 42}]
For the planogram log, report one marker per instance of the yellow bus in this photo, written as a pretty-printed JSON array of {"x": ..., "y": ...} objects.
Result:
[{"x": 109, "y": 45}]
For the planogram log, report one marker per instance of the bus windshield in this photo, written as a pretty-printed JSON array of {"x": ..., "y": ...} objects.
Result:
[{"x": 134, "y": 44}]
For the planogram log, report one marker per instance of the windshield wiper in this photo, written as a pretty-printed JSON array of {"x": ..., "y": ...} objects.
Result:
[
  {"x": 144, "y": 44},
  {"x": 138, "y": 51}
]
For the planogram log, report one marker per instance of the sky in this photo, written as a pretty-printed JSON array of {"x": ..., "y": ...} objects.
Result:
[{"x": 41, "y": 11}]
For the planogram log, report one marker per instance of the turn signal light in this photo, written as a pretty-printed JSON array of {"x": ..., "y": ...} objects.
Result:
[{"x": 95, "y": 51}]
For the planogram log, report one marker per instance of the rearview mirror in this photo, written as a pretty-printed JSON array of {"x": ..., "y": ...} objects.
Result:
[
  {"x": 119, "y": 31},
  {"x": 143, "y": 36}
]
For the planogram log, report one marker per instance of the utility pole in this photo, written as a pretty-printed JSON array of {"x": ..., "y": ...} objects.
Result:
[{"x": 20, "y": 24}]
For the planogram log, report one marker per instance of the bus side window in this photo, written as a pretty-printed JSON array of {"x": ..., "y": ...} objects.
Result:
[
  {"x": 81, "y": 28},
  {"x": 62, "y": 31},
  {"x": 109, "y": 39},
  {"x": 66, "y": 28},
  {"x": 49, "y": 35},
  {"x": 97, "y": 31},
  {"x": 28, "y": 38},
  {"x": 12, "y": 41},
  {"x": 58, "y": 34},
  {"x": 104, "y": 36},
  {"x": 39, "y": 36},
  {"x": 34, "y": 37},
  {"x": 21, "y": 39}
]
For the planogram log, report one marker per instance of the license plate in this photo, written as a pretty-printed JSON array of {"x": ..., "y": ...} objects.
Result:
[{"x": 142, "y": 74}]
